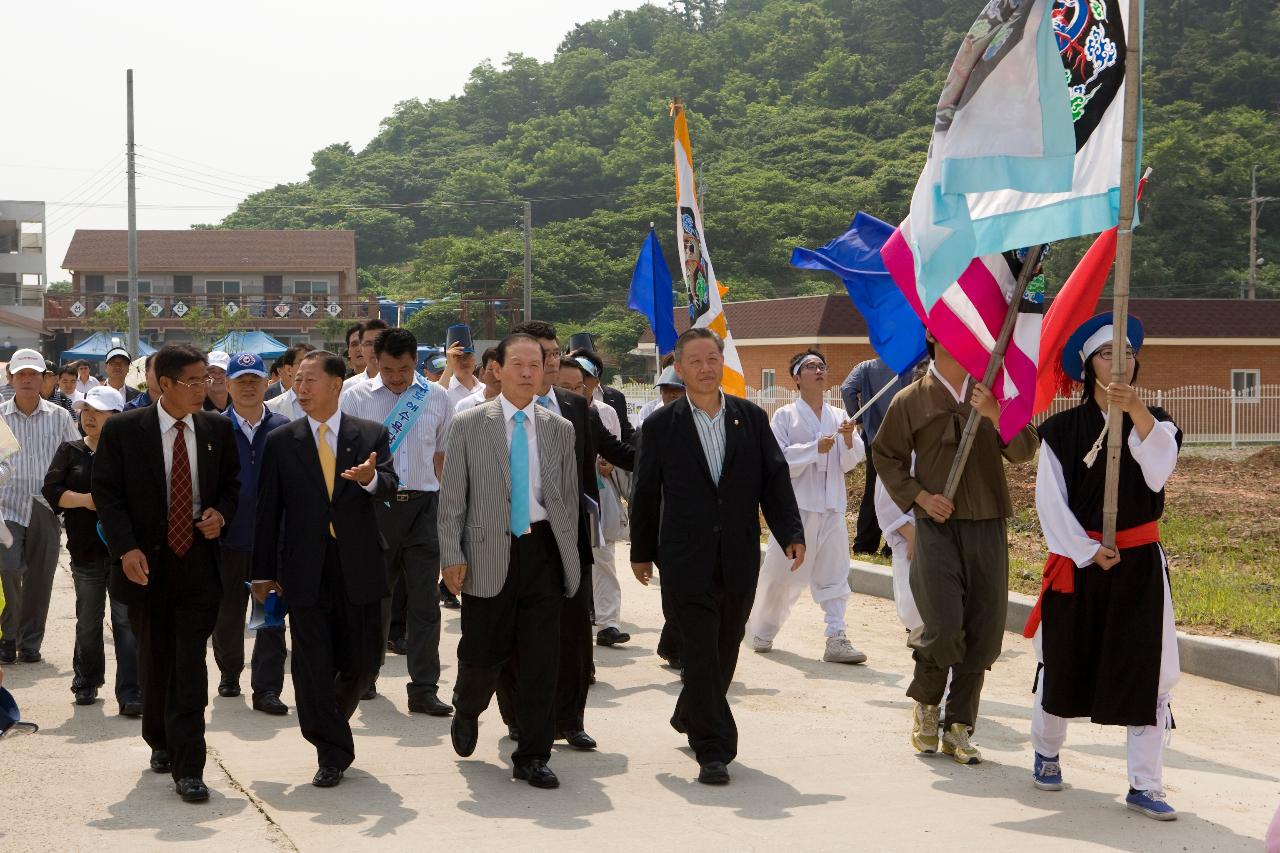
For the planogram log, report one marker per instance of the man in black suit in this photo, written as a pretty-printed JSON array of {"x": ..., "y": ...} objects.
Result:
[
  {"x": 577, "y": 643},
  {"x": 708, "y": 465},
  {"x": 315, "y": 544},
  {"x": 165, "y": 483}
]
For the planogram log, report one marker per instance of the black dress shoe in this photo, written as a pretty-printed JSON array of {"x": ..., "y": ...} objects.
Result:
[
  {"x": 536, "y": 773},
  {"x": 400, "y": 646},
  {"x": 229, "y": 686},
  {"x": 132, "y": 708},
  {"x": 672, "y": 661},
  {"x": 679, "y": 725},
  {"x": 370, "y": 692},
  {"x": 579, "y": 740},
  {"x": 8, "y": 652},
  {"x": 29, "y": 656},
  {"x": 714, "y": 773},
  {"x": 192, "y": 790},
  {"x": 449, "y": 601},
  {"x": 327, "y": 777},
  {"x": 269, "y": 703},
  {"x": 161, "y": 761},
  {"x": 612, "y": 637},
  {"x": 464, "y": 732},
  {"x": 429, "y": 703},
  {"x": 86, "y": 695},
  {"x": 513, "y": 733}
]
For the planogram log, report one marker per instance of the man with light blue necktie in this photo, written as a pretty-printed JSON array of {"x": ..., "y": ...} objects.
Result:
[{"x": 508, "y": 525}]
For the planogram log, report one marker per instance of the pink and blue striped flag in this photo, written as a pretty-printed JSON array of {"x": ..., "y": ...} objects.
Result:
[{"x": 967, "y": 317}]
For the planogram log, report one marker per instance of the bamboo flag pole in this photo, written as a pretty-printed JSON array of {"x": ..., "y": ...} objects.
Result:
[
  {"x": 1124, "y": 250},
  {"x": 1032, "y": 262}
]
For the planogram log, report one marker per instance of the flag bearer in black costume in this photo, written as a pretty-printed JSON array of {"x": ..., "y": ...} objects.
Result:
[{"x": 1104, "y": 630}]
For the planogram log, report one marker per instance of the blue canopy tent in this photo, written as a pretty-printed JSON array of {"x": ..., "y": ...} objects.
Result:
[
  {"x": 96, "y": 346},
  {"x": 255, "y": 342}
]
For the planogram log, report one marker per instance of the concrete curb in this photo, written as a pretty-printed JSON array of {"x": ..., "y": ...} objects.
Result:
[{"x": 1244, "y": 663}]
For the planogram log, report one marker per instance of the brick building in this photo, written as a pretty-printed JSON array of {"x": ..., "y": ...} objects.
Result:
[{"x": 1222, "y": 343}]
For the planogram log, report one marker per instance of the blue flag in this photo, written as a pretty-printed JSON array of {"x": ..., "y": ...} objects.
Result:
[
  {"x": 896, "y": 333},
  {"x": 651, "y": 293}
]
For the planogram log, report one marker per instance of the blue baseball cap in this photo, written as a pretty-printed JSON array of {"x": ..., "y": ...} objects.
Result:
[
  {"x": 437, "y": 364},
  {"x": 246, "y": 363}
]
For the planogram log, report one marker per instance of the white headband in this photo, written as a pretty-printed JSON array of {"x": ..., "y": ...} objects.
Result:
[
  {"x": 1097, "y": 340},
  {"x": 808, "y": 359}
]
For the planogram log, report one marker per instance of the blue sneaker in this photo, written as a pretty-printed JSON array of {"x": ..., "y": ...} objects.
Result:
[
  {"x": 1151, "y": 804},
  {"x": 1047, "y": 775}
]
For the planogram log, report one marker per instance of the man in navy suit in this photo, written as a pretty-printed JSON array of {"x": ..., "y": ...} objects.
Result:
[{"x": 323, "y": 473}]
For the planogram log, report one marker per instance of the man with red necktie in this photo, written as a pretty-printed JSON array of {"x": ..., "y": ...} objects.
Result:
[{"x": 165, "y": 483}]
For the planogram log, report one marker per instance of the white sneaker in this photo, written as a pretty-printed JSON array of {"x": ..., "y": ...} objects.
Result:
[
  {"x": 840, "y": 650},
  {"x": 760, "y": 644}
]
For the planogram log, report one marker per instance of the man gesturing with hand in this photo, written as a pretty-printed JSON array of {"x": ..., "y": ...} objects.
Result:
[{"x": 316, "y": 534}]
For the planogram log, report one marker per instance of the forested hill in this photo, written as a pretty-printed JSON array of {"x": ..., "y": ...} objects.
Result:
[{"x": 801, "y": 113}]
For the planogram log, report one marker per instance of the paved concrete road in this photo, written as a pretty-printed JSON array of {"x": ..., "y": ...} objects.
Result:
[{"x": 825, "y": 764}]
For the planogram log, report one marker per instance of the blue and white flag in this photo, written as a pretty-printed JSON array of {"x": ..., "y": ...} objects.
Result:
[{"x": 1026, "y": 144}]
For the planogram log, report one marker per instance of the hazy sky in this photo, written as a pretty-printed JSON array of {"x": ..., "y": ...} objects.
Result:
[{"x": 229, "y": 97}]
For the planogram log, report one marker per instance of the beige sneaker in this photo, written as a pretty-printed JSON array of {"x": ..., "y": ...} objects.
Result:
[
  {"x": 840, "y": 650},
  {"x": 760, "y": 644},
  {"x": 955, "y": 742},
  {"x": 924, "y": 728}
]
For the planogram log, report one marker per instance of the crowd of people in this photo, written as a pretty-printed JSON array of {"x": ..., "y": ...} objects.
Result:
[{"x": 502, "y": 486}]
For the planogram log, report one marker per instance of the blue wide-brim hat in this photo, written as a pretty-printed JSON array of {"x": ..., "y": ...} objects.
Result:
[{"x": 1073, "y": 357}]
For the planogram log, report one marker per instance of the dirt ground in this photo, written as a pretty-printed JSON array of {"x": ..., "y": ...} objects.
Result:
[{"x": 1221, "y": 533}]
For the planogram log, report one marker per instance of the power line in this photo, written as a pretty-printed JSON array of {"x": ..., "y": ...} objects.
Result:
[{"x": 198, "y": 177}]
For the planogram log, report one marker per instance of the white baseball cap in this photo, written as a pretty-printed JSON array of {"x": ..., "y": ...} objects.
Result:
[
  {"x": 27, "y": 359},
  {"x": 117, "y": 352},
  {"x": 219, "y": 359},
  {"x": 104, "y": 398}
]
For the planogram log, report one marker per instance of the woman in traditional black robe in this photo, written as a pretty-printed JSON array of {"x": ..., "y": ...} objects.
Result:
[{"x": 1106, "y": 640}]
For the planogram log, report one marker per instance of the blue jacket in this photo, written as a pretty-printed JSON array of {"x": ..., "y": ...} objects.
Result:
[{"x": 239, "y": 534}]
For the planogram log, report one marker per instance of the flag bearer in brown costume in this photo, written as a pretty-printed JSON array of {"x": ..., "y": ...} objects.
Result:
[
  {"x": 1106, "y": 640},
  {"x": 960, "y": 569}
]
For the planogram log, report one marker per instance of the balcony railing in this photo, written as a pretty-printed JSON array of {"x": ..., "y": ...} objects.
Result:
[{"x": 71, "y": 310}]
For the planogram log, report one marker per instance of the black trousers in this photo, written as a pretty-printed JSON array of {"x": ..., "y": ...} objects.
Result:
[
  {"x": 266, "y": 667},
  {"x": 960, "y": 581},
  {"x": 712, "y": 625},
  {"x": 519, "y": 627},
  {"x": 867, "y": 538},
  {"x": 172, "y": 626},
  {"x": 670, "y": 643},
  {"x": 413, "y": 555},
  {"x": 337, "y": 647}
]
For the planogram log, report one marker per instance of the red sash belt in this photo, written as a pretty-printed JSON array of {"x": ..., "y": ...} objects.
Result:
[{"x": 1060, "y": 571}]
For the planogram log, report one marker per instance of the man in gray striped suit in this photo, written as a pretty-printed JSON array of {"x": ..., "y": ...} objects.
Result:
[{"x": 508, "y": 524}]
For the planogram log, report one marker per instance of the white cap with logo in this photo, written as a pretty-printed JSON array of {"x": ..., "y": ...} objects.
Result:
[
  {"x": 219, "y": 359},
  {"x": 27, "y": 359},
  {"x": 104, "y": 398}
]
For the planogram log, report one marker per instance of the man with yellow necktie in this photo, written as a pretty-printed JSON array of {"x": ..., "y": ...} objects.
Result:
[{"x": 321, "y": 476}]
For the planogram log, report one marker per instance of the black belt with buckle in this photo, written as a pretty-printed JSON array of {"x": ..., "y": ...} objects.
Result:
[{"x": 405, "y": 495}]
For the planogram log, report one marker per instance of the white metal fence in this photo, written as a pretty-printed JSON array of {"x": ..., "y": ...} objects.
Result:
[{"x": 1207, "y": 415}]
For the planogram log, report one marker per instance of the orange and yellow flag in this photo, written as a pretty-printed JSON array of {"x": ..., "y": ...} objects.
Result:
[{"x": 705, "y": 307}]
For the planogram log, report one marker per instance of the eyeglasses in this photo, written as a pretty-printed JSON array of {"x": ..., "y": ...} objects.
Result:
[
  {"x": 202, "y": 384},
  {"x": 580, "y": 388},
  {"x": 814, "y": 368}
]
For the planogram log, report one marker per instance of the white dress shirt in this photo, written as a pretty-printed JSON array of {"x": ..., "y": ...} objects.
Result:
[
  {"x": 415, "y": 457},
  {"x": 458, "y": 392},
  {"x": 537, "y": 510},
  {"x": 553, "y": 403},
  {"x": 471, "y": 400},
  {"x": 83, "y": 385},
  {"x": 286, "y": 404},
  {"x": 168, "y": 434},
  {"x": 249, "y": 429},
  {"x": 357, "y": 379},
  {"x": 333, "y": 424}
]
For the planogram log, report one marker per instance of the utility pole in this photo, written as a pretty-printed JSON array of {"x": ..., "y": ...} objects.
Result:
[
  {"x": 1255, "y": 208},
  {"x": 133, "y": 225},
  {"x": 528, "y": 261}
]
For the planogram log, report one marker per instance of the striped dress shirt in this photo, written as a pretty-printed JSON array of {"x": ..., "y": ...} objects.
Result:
[
  {"x": 40, "y": 435},
  {"x": 414, "y": 459},
  {"x": 711, "y": 435}
]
